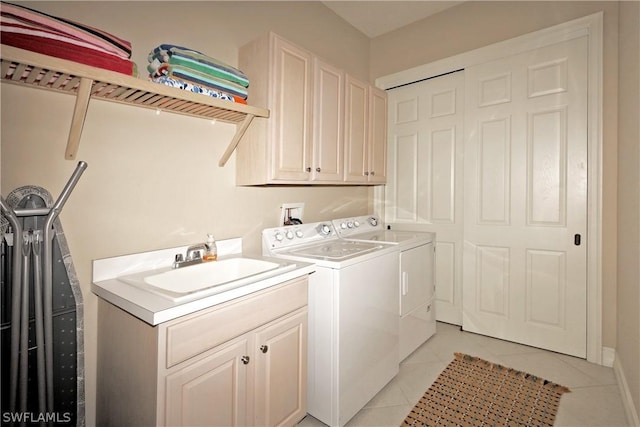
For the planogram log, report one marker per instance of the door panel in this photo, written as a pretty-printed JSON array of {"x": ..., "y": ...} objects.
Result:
[
  {"x": 416, "y": 280},
  {"x": 377, "y": 136},
  {"x": 211, "y": 391},
  {"x": 281, "y": 371},
  {"x": 328, "y": 133},
  {"x": 425, "y": 176},
  {"x": 494, "y": 171},
  {"x": 525, "y": 198},
  {"x": 546, "y": 167},
  {"x": 356, "y": 113},
  {"x": 292, "y": 88}
]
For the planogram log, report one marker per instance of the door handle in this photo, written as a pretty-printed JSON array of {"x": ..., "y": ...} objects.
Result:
[{"x": 576, "y": 239}]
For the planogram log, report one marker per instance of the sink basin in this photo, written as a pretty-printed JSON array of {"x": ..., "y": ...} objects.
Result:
[{"x": 206, "y": 278}]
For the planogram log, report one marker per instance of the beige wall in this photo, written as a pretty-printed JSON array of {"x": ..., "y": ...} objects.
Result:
[
  {"x": 477, "y": 24},
  {"x": 153, "y": 181},
  {"x": 628, "y": 348}
]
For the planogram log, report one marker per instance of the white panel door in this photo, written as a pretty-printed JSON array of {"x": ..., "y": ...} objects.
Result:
[
  {"x": 526, "y": 198},
  {"x": 425, "y": 176}
]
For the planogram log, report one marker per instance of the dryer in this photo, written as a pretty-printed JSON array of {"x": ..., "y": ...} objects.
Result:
[{"x": 416, "y": 289}]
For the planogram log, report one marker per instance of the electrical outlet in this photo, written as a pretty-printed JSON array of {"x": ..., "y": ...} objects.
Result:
[{"x": 290, "y": 210}]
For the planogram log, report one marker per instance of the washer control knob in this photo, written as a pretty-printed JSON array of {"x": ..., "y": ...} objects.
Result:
[
  {"x": 356, "y": 223},
  {"x": 343, "y": 225},
  {"x": 324, "y": 229},
  {"x": 279, "y": 237},
  {"x": 299, "y": 234},
  {"x": 373, "y": 221},
  {"x": 350, "y": 224},
  {"x": 289, "y": 234}
]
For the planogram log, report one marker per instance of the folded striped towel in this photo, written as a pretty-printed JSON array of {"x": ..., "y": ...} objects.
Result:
[
  {"x": 187, "y": 74},
  {"x": 188, "y": 58},
  {"x": 168, "y": 81}
]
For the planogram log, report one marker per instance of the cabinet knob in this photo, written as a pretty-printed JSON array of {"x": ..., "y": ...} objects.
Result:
[
  {"x": 373, "y": 173},
  {"x": 308, "y": 169},
  {"x": 318, "y": 169},
  {"x": 264, "y": 348},
  {"x": 366, "y": 173},
  {"x": 245, "y": 359}
]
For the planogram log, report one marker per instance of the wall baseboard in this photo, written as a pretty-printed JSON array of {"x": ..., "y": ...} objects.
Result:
[
  {"x": 627, "y": 401},
  {"x": 608, "y": 356}
]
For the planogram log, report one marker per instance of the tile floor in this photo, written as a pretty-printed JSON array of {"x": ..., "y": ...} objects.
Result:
[{"x": 594, "y": 399}]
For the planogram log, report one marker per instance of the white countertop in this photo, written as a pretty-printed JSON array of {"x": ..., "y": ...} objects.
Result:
[{"x": 154, "y": 308}]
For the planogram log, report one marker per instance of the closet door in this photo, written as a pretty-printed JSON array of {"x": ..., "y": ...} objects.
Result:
[
  {"x": 425, "y": 176},
  {"x": 526, "y": 198}
]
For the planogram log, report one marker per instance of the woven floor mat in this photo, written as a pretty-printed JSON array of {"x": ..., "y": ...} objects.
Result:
[{"x": 474, "y": 392}]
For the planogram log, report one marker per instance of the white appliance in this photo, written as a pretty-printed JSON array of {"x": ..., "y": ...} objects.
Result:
[
  {"x": 353, "y": 316},
  {"x": 416, "y": 275}
]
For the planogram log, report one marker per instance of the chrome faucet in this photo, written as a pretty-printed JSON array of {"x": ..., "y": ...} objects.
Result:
[
  {"x": 195, "y": 251},
  {"x": 192, "y": 256}
]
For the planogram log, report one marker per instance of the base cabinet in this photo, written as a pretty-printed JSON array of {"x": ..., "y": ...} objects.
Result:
[
  {"x": 241, "y": 363},
  {"x": 211, "y": 391},
  {"x": 281, "y": 372}
]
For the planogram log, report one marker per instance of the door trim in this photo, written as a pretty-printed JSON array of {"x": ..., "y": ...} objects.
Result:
[{"x": 590, "y": 26}]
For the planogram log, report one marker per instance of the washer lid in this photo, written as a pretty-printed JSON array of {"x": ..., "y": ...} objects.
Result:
[{"x": 336, "y": 250}]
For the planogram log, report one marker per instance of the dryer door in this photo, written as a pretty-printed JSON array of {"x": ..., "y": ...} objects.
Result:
[{"x": 416, "y": 277}]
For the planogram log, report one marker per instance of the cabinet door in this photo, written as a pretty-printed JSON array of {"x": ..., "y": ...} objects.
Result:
[
  {"x": 211, "y": 391},
  {"x": 356, "y": 130},
  {"x": 281, "y": 371},
  {"x": 328, "y": 121},
  {"x": 416, "y": 281},
  {"x": 291, "y": 112},
  {"x": 377, "y": 136}
]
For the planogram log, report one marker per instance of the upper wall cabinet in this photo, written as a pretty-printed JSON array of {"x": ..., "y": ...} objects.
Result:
[
  {"x": 366, "y": 133},
  {"x": 303, "y": 142},
  {"x": 328, "y": 123},
  {"x": 277, "y": 150}
]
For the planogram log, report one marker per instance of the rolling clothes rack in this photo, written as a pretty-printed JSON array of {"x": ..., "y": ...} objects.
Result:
[{"x": 36, "y": 245}]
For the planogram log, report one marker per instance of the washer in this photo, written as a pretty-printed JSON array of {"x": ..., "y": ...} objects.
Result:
[
  {"x": 353, "y": 334},
  {"x": 416, "y": 275}
]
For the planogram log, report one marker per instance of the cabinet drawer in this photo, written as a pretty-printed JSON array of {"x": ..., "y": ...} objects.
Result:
[{"x": 201, "y": 331}]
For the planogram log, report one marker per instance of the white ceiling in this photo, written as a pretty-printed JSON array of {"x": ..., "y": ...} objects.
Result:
[{"x": 374, "y": 18}]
